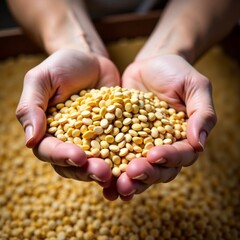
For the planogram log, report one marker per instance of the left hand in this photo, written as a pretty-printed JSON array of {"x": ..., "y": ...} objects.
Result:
[{"x": 175, "y": 81}]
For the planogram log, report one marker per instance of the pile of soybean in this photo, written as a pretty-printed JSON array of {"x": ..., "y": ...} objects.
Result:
[
  {"x": 116, "y": 124},
  {"x": 203, "y": 202}
]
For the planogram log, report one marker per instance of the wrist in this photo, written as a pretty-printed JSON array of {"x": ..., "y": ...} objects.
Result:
[
  {"x": 71, "y": 27},
  {"x": 69, "y": 38},
  {"x": 170, "y": 43}
]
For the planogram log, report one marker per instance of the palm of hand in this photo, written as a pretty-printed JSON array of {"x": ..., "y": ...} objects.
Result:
[
  {"x": 165, "y": 76},
  {"x": 173, "y": 80},
  {"x": 69, "y": 71}
]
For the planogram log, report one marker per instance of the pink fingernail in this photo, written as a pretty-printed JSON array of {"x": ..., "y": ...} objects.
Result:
[
  {"x": 28, "y": 133},
  {"x": 129, "y": 194},
  {"x": 142, "y": 176},
  {"x": 71, "y": 162},
  {"x": 202, "y": 139},
  {"x": 161, "y": 160},
  {"x": 94, "y": 177}
]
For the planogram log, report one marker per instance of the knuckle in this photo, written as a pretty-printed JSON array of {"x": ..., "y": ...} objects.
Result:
[
  {"x": 191, "y": 161},
  {"x": 31, "y": 74},
  {"x": 21, "y": 111},
  {"x": 205, "y": 82},
  {"x": 211, "y": 118},
  {"x": 59, "y": 170},
  {"x": 172, "y": 174}
]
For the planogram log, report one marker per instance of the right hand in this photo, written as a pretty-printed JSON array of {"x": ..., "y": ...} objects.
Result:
[{"x": 62, "y": 74}]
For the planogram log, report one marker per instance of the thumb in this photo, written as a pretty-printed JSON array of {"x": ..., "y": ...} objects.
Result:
[
  {"x": 201, "y": 113},
  {"x": 109, "y": 75},
  {"x": 31, "y": 108}
]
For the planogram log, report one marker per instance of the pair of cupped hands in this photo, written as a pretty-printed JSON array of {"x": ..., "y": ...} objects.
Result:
[{"x": 67, "y": 71}]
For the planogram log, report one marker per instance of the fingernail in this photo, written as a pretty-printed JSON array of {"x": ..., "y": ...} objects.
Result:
[
  {"x": 94, "y": 177},
  {"x": 70, "y": 162},
  {"x": 202, "y": 139},
  {"x": 161, "y": 160},
  {"x": 28, "y": 133},
  {"x": 142, "y": 176},
  {"x": 131, "y": 193}
]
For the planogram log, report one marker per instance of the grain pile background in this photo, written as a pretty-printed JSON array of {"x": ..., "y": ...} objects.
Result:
[{"x": 203, "y": 202}]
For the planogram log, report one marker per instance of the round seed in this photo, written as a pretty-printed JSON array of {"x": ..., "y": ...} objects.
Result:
[
  {"x": 104, "y": 123},
  {"x": 130, "y": 156},
  {"x": 143, "y": 118},
  {"x": 111, "y": 108},
  {"x": 116, "y": 172},
  {"x": 62, "y": 137},
  {"x": 96, "y": 117},
  {"x": 118, "y": 113},
  {"x": 76, "y": 132},
  {"x": 123, "y": 167},
  {"x": 98, "y": 130},
  {"x": 104, "y": 153},
  {"x": 151, "y": 116},
  {"x": 109, "y": 129},
  {"x": 122, "y": 144},
  {"x": 137, "y": 127},
  {"x": 87, "y": 121},
  {"x": 133, "y": 133},
  {"x": 137, "y": 140},
  {"x": 154, "y": 132},
  {"x": 118, "y": 124},
  {"x": 85, "y": 113},
  {"x": 149, "y": 145},
  {"x": 95, "y": 144},
  {"x": 128, "y": 107},
  {"x": 142, "y": 133},
  {"x": 114, "y": 148},
  {"x": 119, "y": 137},
  {"x": 127, "y": 121},
  {"x": 167, "y": 141},
  {"x": 62, "y": 120},
  {"x": 158, "y": 141},
  {"x": 109, "y": 138},
  {"x": 109, "y": 116},
  {"x": 116, "y": 160},
  {"x": 103, "y": 111},
  {"x": 95, "y": 152},
  {"x": 104, "y": 144},
  {"x": 88, "y": 135},
  {"x": 123, "y": 152},
  {"x": 137, "y": 149}
]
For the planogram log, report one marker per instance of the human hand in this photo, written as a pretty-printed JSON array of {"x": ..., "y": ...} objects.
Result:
[
  {"x": 175, "y": 81},
  {"x": 53, "y": 81}
]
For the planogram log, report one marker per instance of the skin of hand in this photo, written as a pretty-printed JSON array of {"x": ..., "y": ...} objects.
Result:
[
  {"x": 175, "y": 81},
  {"x": 62, "y": 74}
]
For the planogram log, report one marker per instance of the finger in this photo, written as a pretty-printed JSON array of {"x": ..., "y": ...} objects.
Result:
[
  {"x": 140, "y": 169},
  {"x": 56, "y": 152},
  {"x": 129, "y": 78},
  {"x": 94, "y": 169},
  {"x": 31, "y": 108},
  {"x": 110, "y": 192},
  {"x": 127, "y": 187},
  {"x": 201, "y": 113},
  {"x": 109, "y": 75},
  {"x": 179, "y": 154}
]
